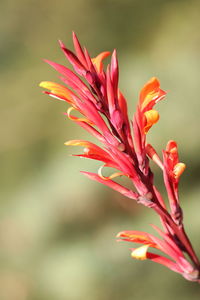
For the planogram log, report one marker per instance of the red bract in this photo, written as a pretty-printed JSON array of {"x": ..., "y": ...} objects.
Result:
[{"x": 103, "y": 110}]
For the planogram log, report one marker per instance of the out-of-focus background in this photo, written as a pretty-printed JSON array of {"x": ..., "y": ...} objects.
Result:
[{"x": 57, "y": 228}]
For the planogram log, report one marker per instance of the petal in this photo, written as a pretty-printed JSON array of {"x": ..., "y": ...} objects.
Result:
[
  {"x": 73, "y": 118},
  {"x": 140, "y": 253},
  {"x": 114, "y": 175},
  {"x": 114, "y": 71},
  {"x": 164, "y": 261},
  {"x": 152, "y": 117},
  {"x": 97, "y": 61},
  {"x": 78, "y": 49},
  {"x": 178, "y": 170},
  {"x": 112, "y": 184},
  {"x": 93, "y": 151},
  {"x": 58, "y": 90},
  {"x": 151, "y": 152},
  {"x": 137, "y": 237},
  {"x": 171, "y": 147},
  {"x": 151, "y": 94},
  {"x": 77, "y": 65}
]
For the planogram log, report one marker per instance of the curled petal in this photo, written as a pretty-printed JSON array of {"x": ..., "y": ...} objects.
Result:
[
  {"x": 152, "y": 117},
  {"x": 151, "y": 94},
  {"x": 97, "y": 61},
  {"x": 73, "y": 118},
  {"x": 114, "y": 175}
]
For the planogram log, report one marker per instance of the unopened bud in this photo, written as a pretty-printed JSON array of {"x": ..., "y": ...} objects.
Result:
[{"x": 151, "y": 152}]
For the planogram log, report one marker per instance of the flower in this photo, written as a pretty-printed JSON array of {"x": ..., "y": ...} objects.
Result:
[
  {"x": 172, "y": 171},
  {"x": 173, "y": 258},
  {"x": 93, "y": 93}
]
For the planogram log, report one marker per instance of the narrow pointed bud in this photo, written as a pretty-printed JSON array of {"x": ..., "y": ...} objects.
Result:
[
  {"x": 79, "y": 50},
  {"x": 77, "y": 65},
  {"x": 114, "y": 71},
  {"x": 151, "y": 152},
  {"x": 110, "y": 92}
]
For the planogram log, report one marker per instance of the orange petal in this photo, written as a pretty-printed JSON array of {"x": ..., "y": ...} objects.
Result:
[
  {"x": 152, "y": 117},
  {"x": 97, "y": 61},
  {"x": 58, "y": 90},
  {"x": 140, "y": 253},
  {"x": 151, "y": 93},
  {"x": 86, "y": 144},
  {"x": 137, "y": 237}
]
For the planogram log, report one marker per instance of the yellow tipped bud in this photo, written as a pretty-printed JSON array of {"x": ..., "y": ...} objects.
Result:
[
  {"x": 140, "y": 253},
  {"x": 179, "y": 169}
]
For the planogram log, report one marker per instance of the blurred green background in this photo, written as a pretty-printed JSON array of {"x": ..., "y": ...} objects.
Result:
[{"x": 57, "y": 228}]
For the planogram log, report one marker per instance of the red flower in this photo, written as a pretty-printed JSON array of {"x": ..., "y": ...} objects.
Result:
[
  {"x": 103, "y": 110},
  {"x": 175, "y": 259}
]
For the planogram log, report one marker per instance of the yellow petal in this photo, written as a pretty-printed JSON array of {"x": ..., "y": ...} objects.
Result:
[
  {"x": 57, "y": 89},
  {"x": 179, "y": 169},
  {"x": 152, "y": 117},
  {"x": 73, "y": 118},
  {"x": 140, "y": 253},
  {"x": 116, "y": 174},
  {"x": 76, "y": 143}
]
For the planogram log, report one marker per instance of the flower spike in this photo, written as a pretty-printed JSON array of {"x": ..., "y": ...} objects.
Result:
[{"x": 93, "y": 91}]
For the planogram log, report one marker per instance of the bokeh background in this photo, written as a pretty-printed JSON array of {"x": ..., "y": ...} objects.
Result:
[{"x": 57, "y": 228}]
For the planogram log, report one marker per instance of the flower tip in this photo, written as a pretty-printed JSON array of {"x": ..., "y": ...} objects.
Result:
[
  {"x": 120, "y": 234},
  {"x": 140, "y": 253},
  {"x": 61, "y": 44},
  {"x": 72, "y": 143},
  {"x": 43, "y": 84},
  {"x": 74, "y": 34}
]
